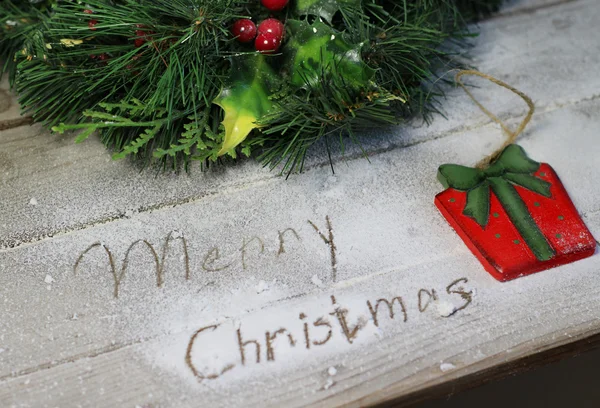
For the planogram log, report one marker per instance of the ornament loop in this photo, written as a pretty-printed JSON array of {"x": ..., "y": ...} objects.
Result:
[{"x": 511, "y": 136}]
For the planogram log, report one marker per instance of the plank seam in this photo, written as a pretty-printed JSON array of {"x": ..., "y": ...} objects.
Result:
[
  {"x": 116, "y": 347},
  {"x": 15, "y": 243}
]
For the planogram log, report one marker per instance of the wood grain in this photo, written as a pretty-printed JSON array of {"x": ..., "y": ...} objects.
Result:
[
  {"x": 65, "y": 340},
  {"x": 10, "y": 112},
  {"x": 521, "y": 50},
  {"x": 499, "y": 371}
]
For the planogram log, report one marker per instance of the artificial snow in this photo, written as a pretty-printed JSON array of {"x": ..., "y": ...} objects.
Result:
[{"x": 390, "y": 241}]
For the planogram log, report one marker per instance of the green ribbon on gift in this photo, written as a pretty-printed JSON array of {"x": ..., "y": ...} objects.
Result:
[{"x": 511, "y": 168}]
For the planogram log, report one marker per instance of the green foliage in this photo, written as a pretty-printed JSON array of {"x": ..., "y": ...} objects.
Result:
[
  {"x": 156, "y": 80},
  {"x": 245, "y": 98},
  {"x": 19, "y": 20},
  {"x": 317, "y": 48},
  {"x": 323, "y": 8},
  {"x": 328, "y": 109}
]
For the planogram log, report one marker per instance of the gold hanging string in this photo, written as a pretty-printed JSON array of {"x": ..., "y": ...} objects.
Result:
[{"x": 511, "y": 136}]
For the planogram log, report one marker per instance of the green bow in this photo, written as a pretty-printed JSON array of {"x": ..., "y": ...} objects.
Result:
[{"x": 511, "y": 168}]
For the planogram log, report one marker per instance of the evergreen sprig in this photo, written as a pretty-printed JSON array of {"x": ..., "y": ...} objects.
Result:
[{"x": 148, "y": 75}]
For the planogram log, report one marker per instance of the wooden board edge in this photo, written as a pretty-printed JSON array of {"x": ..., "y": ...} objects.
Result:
[{"x": 533, "y": 361}]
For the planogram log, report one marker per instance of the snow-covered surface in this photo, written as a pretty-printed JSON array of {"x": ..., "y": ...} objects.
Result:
[{"x": 258, "y": 271}]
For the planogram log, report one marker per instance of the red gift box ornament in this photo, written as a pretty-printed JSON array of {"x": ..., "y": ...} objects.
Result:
[{"x": 513, "y": 213}]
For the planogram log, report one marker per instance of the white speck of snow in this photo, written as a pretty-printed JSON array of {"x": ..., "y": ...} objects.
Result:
[
  {"x": 332, "y": 371},
  {"x": 316, "y": 281},
  {"x": 33, "y": 201},
  {"x": 315, "y": 30},
  {"x": 262, "y": 286},
  {"x": 328, "y": 384},
  {"x": 445, "y": 367},
  {"x": 332, "y": 37},
  {"x": 48, "y": 279},
  {"x": 128, "y": 213},
  {"x": 446, "y": 309},
  {"x": 353, "y": 55}
]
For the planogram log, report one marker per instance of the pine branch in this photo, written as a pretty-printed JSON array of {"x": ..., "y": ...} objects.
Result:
[
  {"x": 145, "y": 75},
  {"x": 18, "y": 21}
]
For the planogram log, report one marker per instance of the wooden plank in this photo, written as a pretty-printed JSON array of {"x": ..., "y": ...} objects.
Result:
[
  {"x": 78, "y": 186},
  {"x": 66, "y": 340},
  {"x": 502, "y": 371},
  {"x": 511, "y": 8},
  {"x": 10, "y": 112},
  {"x": 395, "y": 245},
  {"x": 9, "y": 107}
]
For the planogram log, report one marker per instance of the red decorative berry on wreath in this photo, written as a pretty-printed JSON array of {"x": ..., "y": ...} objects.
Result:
[
  {"x": 275, "y": 5},
  {"x": 143, "y": 36},
  {"x": 92, "y": 25},
  {"x": 267, "y": 43},
  {"x": 244, "y": 30},
  {"x": 103, "y": 59},
  {"x": 139, "y": 42},
  {"x": 273, "y": 26}
]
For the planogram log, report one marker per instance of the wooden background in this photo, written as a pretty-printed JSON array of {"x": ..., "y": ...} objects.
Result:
[{"x": 256, "y": 266}]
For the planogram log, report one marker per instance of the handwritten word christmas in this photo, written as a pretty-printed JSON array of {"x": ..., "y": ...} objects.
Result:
[{"x": 312, "y": 332}]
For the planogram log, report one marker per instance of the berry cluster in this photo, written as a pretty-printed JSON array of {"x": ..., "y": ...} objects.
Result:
[
  {"x": 268, "y": 36},
  {"x": 92, "y": 23}
]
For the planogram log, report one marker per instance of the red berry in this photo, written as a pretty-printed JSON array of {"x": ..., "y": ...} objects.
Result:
[
  {"x": 244, "y": 30},
  {"x": 274, "y": 5},
  {"x": 142, "y": 36},
  {"x": 267, "y": 43},
  {"x": 92, "y": 25},
  {"x": 88, "y": 11},
  {"x": 104, "y": 59},
  {"x": 273, "y": 26}
]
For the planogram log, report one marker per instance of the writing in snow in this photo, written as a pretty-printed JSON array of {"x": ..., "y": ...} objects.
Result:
[{"x": 309, "y": 332}]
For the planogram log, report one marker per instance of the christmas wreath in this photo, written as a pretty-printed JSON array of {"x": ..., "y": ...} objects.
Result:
[{"x": 182, "y": 80}]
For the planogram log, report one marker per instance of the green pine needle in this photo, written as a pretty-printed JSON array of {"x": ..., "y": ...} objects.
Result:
[{"x": 145, "y": 74}]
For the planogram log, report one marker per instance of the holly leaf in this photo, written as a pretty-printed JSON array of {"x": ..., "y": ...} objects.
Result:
[
  {"x": 314, "y": 49},
  {"x": 244, "y": 98},
  {"x": 322, "y": 8}
]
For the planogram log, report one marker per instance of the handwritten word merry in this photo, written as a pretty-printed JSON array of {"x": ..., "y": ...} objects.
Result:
[
  {"x": 212, "y": 260},
  {"x": 317, "y": 332}
]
